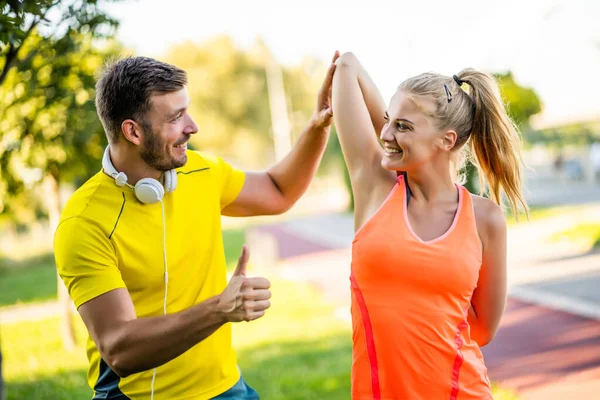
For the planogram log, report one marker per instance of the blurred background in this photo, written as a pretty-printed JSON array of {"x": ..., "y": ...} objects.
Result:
[{"x": 254, "y": 69}]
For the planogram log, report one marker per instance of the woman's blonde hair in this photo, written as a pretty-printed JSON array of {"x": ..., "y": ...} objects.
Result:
[{"x": 478, "y": 114}]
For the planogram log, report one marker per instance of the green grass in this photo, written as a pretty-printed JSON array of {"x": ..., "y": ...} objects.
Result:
[
  {"x": 588, "y": 234},
  {"x": 300, "y": 370},
  {"x": 298, "y": 351},
  {"x": 233, "y": 239},
  {"x": 35, "y": 365},
  {"x": 539, "y": 213},
  {"x": 27, "y": 281}
]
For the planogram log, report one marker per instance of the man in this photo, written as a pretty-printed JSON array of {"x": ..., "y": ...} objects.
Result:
[{"x": 139, "y": 245}]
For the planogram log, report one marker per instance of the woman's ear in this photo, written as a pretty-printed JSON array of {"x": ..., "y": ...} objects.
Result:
[{"x": 448, "y": 140}]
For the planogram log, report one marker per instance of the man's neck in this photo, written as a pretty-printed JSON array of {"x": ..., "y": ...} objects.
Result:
[{"x": 132, "y": 165}]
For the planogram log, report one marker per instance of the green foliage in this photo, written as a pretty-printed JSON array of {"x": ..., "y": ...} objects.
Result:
[
  {"x": 588, "y": 234},
  {"x": 48, "y": 122},
  {"x": 230, "y": 102},
  {"x": 55, "y": 19},
  {"x": 522, "y": 102},
  {"x": 580, "y": 133}
]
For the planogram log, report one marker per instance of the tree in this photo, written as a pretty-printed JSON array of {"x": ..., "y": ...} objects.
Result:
[
  {"x": 577, "y": 133},
  {"x": 230, "y": 101},
  {"x": 522, "y": 102},
  {"x": 49, "y": 130}
]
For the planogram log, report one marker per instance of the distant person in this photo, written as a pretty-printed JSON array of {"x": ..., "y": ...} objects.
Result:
[
  {"x": 595, "y": 158},
  {"x": 139, "y": 246},
  {"x": 428, "y": 273},
  {"x": 559, "y": 162}
]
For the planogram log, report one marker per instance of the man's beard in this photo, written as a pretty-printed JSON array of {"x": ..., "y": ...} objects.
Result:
[{"x": 156, "y": 155}]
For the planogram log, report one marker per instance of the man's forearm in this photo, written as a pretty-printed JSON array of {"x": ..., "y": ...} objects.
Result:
[
  {"x": 293, "y": 174},
  {"x": 146, "y": 343}
]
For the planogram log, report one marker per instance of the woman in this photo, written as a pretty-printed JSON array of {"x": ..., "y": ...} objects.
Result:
[{"x": 428, "y": 258}]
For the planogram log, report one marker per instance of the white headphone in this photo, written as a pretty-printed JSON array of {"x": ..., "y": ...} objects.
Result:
[{"x": 147, "y": 190}]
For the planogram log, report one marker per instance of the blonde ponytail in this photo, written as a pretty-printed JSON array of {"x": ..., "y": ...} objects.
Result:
[{"x": 495, "y": 144}]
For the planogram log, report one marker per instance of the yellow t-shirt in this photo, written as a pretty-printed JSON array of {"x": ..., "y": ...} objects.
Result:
[{"x": 107, "y": 239}]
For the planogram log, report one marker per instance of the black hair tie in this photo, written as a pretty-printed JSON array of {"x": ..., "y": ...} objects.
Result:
[{"x": 458, "y": 80}]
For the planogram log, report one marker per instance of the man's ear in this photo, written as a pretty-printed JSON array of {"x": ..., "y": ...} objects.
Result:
[{"x": 132, "y": 131}]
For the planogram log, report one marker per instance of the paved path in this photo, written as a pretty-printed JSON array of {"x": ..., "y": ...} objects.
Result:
[{"x": 545, "y": 354}]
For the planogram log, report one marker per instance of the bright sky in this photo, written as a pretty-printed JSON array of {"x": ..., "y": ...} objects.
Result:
[{"x": 551, "y": 45}]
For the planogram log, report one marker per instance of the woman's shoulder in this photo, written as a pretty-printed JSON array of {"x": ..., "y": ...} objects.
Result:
[{"x": 489, "y": 217}]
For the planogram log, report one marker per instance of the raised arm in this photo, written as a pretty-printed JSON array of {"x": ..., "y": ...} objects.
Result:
[
  {"x": 277, "y": 189},
  {"x": 130, "y": 345},
  {"x": 359, "y": 118},
  {"x": 357, "y": 125},
  {"x": 372, "y": 98}
]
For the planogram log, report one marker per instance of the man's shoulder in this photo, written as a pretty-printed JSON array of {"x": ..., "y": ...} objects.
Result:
[
  {"x": 93, "y": 202},
  {"x": 211, "y": 165},
  {"x": 199, "y": 160}
]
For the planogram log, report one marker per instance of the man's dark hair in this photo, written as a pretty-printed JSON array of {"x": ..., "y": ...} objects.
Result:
[{"x": 124, "y": 89}]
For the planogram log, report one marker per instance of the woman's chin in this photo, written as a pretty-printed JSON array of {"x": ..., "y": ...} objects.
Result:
[{"x": 392, "y": 165}]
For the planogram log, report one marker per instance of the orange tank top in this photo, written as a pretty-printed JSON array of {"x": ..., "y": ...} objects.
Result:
[{"x": 410, "y": 301}]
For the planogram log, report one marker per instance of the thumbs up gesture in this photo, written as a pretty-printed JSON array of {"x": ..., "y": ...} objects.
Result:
[{"x": 244, "y": 299}]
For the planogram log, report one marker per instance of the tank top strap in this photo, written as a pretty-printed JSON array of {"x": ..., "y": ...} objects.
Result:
[
  {"x": 467, "y": 209},
  {"x": 466, "y": 225}
]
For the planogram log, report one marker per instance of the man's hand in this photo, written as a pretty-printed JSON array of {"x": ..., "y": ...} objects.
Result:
[
  {"x": 276, "y": 190},
  {"x": 322, "y": 117},
  {"x": 244, "y": 299}
]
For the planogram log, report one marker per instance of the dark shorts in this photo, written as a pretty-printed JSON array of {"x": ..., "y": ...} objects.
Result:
[{"x": 239, "y": 391}]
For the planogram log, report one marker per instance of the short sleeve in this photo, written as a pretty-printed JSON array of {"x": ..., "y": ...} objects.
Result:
[
  {"x": 228, "y": 180},
  {"x": 232, "y": 181},
  {"x": 86, "y": 260}
]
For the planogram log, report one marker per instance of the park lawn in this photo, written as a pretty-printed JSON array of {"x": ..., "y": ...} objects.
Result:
[
  {"x": 298, "y": 351},
  {"x": 27, "y": 281},
  {"x": 588, "y": 234},
  {"x": 539, "y": 213}
]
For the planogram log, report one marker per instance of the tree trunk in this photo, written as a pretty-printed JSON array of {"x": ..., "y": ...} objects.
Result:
[{"x": 53, "y": 206}]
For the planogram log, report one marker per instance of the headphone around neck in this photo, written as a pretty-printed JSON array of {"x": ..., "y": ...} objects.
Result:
[{"x": 147, "y": 190}]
